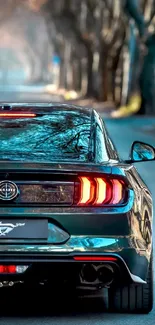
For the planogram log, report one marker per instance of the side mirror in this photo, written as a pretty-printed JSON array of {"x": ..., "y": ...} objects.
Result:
[{"x": 141, "y": 151}]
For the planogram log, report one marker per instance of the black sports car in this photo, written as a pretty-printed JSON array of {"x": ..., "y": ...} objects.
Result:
[{"x": 71, "y": 211}]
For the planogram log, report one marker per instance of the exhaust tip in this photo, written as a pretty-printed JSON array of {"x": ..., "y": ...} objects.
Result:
[
  {"x": 106, "y": 274},
  {"x": 88, "y": 273}
]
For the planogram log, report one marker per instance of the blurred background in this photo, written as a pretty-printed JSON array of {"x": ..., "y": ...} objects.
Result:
[
  {"x": 98, "y": 53},
  {"x": 90, "y": 52}
]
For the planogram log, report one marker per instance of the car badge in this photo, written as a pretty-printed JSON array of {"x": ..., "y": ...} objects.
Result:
[
  {"x": 8, "y": 190},
  {"x": 5, "y": 228}
]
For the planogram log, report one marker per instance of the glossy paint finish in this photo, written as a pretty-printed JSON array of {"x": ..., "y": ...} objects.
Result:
[{"x": 124, "y": 231}]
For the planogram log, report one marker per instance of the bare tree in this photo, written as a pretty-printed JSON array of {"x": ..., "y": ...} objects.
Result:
[{"x": 98, "y": 32}]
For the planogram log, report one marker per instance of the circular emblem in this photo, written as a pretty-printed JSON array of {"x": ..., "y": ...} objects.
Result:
[{"x": 8, "y": 191}]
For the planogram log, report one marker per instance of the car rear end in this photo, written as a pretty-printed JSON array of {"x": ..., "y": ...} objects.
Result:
[
  {"x": 67, "y": 214},
  {"x": 64, "y": 216}
]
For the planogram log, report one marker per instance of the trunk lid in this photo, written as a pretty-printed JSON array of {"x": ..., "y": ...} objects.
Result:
[{"x": 42, "y": 184}]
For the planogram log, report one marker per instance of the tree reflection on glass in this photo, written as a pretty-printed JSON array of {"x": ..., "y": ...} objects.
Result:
[{"x": 62, "y": 134}]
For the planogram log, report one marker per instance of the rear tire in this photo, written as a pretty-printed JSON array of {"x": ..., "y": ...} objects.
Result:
[{"x": 133, "y": 298}]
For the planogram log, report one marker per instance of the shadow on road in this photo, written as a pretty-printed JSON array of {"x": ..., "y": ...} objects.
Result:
[
  {"x": 23, "y": 303},
  {"x": 42, "y": 307}
]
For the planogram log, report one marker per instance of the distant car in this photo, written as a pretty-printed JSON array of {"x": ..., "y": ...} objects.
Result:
[{"x": 71, "y": 211}]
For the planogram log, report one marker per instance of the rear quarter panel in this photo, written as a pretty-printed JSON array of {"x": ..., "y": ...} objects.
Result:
[{"x": 142, "y": 216}]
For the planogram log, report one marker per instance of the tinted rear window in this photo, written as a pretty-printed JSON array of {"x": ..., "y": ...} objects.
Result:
[{"x": 61, "y": 135}]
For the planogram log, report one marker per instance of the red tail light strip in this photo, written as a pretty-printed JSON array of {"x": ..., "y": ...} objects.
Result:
[
  {"x": 117, "y": 191},
  {"x": 7, "y": 269},
  {"x": 12, "y": 269},
  {"x": 16, "y": 115},
  {"x": 94, "y": 259},
  {"x": 99, "y": 191},
  {"x": 87, "y": 191}
]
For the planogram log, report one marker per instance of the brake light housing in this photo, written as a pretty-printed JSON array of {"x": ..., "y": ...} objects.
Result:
[
  {"x": 12, "y": 269},
  {"x": 11, "y": 115},
  {"x": 94, "y": 258},
  {"x": 101, "y": 191},
  {"x": 87, "y": 190}
]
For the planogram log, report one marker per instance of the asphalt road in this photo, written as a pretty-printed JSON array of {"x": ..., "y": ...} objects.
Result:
[{"x": 36, "y": 308}]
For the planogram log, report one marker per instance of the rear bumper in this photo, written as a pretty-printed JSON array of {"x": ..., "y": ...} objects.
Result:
[{"x": 131, "y": 259}]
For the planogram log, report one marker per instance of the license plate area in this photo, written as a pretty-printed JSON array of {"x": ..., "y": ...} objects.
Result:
[
  {"x": 23, "y": 229},
  {"x": 40, "y": 193}
]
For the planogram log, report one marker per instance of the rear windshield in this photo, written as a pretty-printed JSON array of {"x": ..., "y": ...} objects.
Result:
[{"x": 61, "y": 135}]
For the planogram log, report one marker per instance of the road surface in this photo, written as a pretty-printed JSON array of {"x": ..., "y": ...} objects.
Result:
[
  {"x": 35, "y": 308},
  {"x": 27, "y": 96}
]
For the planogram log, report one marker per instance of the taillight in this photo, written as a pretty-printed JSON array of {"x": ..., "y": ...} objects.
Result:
[
  {"x": 12, "y": 269},
  {"x": 7, "y": 269},
  {"x": 86, "y": 191},
  {"x": 100, "y": 191},
  {"x": 17, "y": 115},
  {"x": 117, "y": 191},
  {"x": 94, "y": 259}
]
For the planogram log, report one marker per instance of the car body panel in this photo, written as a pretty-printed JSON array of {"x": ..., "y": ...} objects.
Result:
[{"x": 124, "y": 231}]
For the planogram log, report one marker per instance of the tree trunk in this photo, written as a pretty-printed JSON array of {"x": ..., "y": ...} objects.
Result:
[
  {"x": 103, "y": 76},
  {"x": 35, "y": 75},
  {"x": 83, "y": 76},
  {"x": 90, "y": 90},
  {"x": 74, "y": 74},
  {"x": 79, "y": 75},
  {"x": 62, "y": 74},
  {"x": 68, "y": 66}
]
